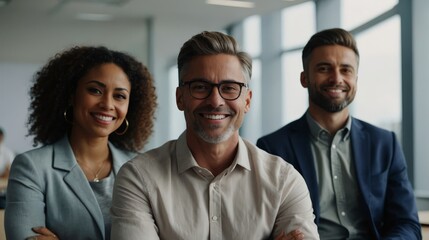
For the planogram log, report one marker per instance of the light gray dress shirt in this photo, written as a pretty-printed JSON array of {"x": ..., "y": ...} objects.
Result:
[
  {"x": 164, "y": 194},
  {"x": 340, "y": 200}
]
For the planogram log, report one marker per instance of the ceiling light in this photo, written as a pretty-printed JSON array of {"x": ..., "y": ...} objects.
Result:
[
  {"x": 231, "y": 3},
  {"x": 94, "y": 17}
]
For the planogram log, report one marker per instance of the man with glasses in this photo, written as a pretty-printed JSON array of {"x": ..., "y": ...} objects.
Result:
[
  {"x": 202, "y": 89},
  {"x": 210, "y": 183}
]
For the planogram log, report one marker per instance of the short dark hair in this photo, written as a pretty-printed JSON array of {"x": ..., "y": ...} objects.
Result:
[
  {"x": 212, "y": 43},
  {"x": 333, "y": 36}
]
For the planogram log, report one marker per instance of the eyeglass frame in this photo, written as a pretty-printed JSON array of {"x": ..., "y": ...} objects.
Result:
[{"x": 217, "y": 85}]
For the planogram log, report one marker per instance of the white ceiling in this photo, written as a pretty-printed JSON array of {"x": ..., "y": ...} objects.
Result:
[{"x": 31, "y": 29}]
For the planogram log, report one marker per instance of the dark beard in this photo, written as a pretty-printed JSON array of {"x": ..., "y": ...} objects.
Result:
[{"x": 326, "y": 104}]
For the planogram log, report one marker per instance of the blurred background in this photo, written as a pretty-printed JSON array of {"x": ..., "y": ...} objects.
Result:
[{"x": 392, "y": 36}]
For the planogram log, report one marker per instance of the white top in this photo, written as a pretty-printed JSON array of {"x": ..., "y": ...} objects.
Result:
[
  {"x": 164, "y": 194},
  {"x": 6, "y": 158}
]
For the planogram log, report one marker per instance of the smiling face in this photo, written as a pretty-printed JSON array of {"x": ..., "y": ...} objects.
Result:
[
  {"x": 101, "y": 101},
  {"x": 213, "y": 119},
  {"x": 331, "y": 77}
]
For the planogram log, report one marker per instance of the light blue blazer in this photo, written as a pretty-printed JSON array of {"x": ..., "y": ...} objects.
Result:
[{"x": 48, "y": 188}]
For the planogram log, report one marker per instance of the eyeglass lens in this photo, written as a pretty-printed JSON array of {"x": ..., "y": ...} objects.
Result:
[{"x": 227, "y": 90}]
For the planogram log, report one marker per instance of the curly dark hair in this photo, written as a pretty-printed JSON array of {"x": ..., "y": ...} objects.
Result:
[{"x": 57, "y": 81}]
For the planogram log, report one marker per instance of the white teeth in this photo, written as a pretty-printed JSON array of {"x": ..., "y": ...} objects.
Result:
[
  {"x": 334, "y": 90},
  {"x": 104, "y": 118},
  {"x": 214, "y": 117}
]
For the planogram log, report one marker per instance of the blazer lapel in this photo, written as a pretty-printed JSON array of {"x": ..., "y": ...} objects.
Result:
[
  {"x": 119, "y": 157},
  {"x": 362, "y": 159},
  {"x": 299, "y": 138},
  {"x": 64, "y": 159}
]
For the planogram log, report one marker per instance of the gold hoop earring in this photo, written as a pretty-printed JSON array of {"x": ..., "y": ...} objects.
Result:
[
  {"x": 125, "y": 130},
  {"x": 65, "y": 116}
]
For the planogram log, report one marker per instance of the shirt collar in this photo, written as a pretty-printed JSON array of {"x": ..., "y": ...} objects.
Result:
[
  {"x": 185, "y": 160},
  {"x": 242, "y": 158},
  {"x": 184, "y": 157},
  {"x": 319, "y": 132}
]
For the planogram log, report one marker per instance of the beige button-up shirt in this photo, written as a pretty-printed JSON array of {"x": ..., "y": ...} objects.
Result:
[{"x": 164, "y": 194}]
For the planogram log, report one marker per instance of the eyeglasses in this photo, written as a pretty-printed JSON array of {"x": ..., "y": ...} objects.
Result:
[{"x": 228, "y": 90}]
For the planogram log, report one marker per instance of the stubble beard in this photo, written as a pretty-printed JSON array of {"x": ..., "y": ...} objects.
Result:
[
  {"x": 327, "y": 104},
  {"x": 213, "y": 139}
]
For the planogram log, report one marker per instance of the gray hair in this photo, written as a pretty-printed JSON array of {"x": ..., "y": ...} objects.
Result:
[{"x": 212, "y": 43}]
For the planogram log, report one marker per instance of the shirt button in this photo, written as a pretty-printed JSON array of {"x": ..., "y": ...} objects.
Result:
[
  {"x": 335, "y": 177},
  {"x": 333, "y": 146},
  {"x": 343, "y": 214},
  {"x": 214, "y": 218}
]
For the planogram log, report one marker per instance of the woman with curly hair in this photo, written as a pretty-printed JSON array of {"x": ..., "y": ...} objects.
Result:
[{"x": 92, "y": 109}]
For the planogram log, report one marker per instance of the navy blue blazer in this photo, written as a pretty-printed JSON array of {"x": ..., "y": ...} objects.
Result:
[
  {"x": 48, "y": 188},
  {"x": 380, "y": 170}
]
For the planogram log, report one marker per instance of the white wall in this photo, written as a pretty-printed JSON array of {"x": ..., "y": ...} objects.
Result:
[{"x": 14, "y": 101}]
